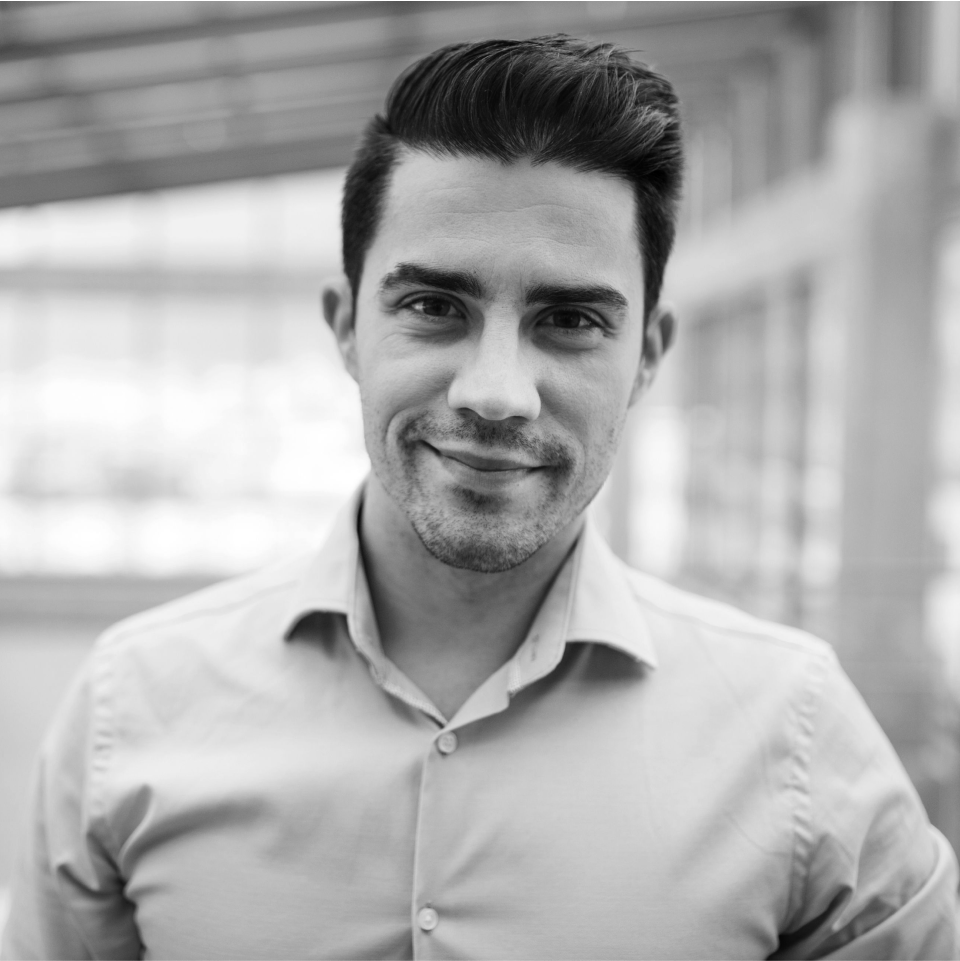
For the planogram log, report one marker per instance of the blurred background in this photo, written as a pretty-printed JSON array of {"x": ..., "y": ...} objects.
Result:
[{"x": 172, "y": 410}]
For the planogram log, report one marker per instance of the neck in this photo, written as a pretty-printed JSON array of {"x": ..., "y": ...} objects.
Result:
[{"x": 448, "y": 629}]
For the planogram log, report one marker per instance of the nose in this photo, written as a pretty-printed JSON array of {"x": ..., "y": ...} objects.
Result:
[{"x": 495, "y": 381}]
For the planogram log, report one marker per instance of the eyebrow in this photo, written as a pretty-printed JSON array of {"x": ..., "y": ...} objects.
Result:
[
  {"x": 464, "y": 282},
  {"x": 598, "y": 294},
  {"x": 454, "y": 281}
]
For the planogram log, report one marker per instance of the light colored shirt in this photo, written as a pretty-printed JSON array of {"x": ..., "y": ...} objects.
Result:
[{"x": 243, "y": 774}]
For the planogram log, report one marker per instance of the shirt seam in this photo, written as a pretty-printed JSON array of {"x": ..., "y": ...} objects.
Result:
[
  {"x": 103, "y": 707},
  {"x": 124, "y": 630},
  {"x": 799, "y": 784},
  {"x": 103, "y": 713},
  {"x": 758, "y": 633}
]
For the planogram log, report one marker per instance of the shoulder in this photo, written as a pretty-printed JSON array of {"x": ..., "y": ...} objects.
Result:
[
  {"x": 154, "y": 680},
  {"x": 208, "y": 622},
  {"x": 735, "y": 665},
  {"x": 676, "y": 615},
  {"x": 215, "y": 608}
]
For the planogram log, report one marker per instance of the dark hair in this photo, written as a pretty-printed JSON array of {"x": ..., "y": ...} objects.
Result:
[{"x": 586, "y": 106}]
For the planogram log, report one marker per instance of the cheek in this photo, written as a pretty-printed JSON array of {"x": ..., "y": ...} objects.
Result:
[
  {"x": 591, "y": 403},
  {"x": 394, "y": 378}
]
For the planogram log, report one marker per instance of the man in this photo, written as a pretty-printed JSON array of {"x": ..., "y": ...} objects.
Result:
[{"x": 463, "y": 728}]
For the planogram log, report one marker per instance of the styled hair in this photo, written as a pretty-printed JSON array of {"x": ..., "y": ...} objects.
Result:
[{"x": 548, "y": 99}]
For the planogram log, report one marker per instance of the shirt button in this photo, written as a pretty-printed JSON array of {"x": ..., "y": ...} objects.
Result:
[
  {"x": 447, "y": 742},
  {"x": 428, "y": 919}
]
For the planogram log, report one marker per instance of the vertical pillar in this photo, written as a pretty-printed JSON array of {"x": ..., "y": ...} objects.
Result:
[
  {"x": 886, "y": 155},
  {"x": 784, "y": 423}
]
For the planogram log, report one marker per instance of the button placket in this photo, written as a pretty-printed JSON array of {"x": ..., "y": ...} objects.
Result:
[{"x": 429, "y": 870}]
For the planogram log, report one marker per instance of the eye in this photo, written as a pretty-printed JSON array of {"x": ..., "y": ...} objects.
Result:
[
  {"x": 432, "y": 306},
  {"x": 571, "y": 318}
]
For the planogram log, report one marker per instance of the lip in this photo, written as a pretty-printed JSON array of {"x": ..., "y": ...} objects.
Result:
[{"x": 485, "y": 462}]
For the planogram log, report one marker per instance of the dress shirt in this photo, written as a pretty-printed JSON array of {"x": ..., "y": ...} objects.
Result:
[{"x": 244, "y": 774}]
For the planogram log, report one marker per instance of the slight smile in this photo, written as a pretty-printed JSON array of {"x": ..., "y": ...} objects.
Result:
[
  {"x": 489, "y": 463},
  {"x": 489, "y": 473}
]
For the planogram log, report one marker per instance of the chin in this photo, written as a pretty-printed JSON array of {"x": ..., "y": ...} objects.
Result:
[
  {"x": 487, "y": 556},
  {"x": 483, "y": 545}
]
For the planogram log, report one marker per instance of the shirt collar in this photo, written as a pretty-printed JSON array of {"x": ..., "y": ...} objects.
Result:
[
  {"x": 591, "y": 599},
  {"x": 328, "y": 581},
  {"x": 604, "y": 606}
]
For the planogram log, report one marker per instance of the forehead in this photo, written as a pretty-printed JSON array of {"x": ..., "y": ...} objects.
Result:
[{"x": 508, "y": 221}]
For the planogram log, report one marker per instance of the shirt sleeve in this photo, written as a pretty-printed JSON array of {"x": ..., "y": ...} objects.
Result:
[
  {"x": 873, "y": 878},
  {"x": 67, "y": 896}
]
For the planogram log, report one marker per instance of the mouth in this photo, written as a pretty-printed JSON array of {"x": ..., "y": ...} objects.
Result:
[{"x": 487, "y": 462}]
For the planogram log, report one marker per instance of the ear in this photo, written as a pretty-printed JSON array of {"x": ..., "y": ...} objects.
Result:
[
  {"x": 336, "y": 302},
  {"x": 658, "y": 336}
]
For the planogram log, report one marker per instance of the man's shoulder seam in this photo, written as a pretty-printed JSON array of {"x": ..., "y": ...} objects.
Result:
[
  {"x": 182, "y": 610},
  {"x": 747, "y": 625}
]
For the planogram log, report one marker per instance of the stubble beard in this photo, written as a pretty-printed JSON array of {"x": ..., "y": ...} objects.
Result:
[{"x": 478, "y": 534}]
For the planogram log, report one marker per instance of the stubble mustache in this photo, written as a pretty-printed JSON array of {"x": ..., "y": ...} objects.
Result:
[{"x": 494, "y": 436}]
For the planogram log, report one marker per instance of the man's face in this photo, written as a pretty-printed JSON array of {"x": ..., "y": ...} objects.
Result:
[{"x": 496, "y": 339}]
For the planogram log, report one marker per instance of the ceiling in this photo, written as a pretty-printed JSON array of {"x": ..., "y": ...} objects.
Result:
[{"x": 99, "y": 98}]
